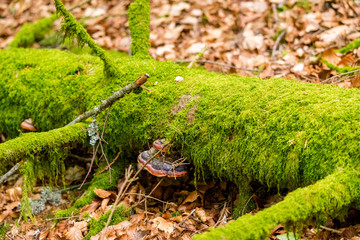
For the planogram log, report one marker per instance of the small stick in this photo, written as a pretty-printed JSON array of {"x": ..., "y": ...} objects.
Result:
[
  {"x": 124, "y": 188},
  {"x": 276, "y": 44},
  {"x": 331, "y": 230},
  {"x": 106, "y": 168},
  {"x": 60, "y": 218},
  {"x": 148, "y": 196},
  {"x": 182, "y": 222},
  {"x": 108, "y": 102},
  {"x": 79, "y": 5},
  {"x": 220, "y": 64},
  {"x": 199, "y": 55},
  {"x": 10, "y": 172}
]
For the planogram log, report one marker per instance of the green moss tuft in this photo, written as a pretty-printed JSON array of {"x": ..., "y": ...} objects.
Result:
[
  {"x": 337, "y": 68},
  {"x": 100, "y": 181},
  {"x": 139, "y": 22},
  {"x": 31, "y": 32},
  {"x": 73, "y": 29},
  {"x": 97, "y": 226},
  {"x": 351, "y": 46},
  {"x": 45, "y": 144}
]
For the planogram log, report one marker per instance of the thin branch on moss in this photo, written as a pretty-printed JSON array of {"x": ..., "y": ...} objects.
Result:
[
  {"x": 108, "y": 102},
  {"x": 10, "y": 172},
  {"x": 220, "y": 64},
  {"x": 199, "y": 55}
]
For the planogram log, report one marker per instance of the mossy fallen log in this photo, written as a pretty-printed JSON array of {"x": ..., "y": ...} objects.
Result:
[
  {"x": 34, "y": 143},
  {"x": 277, "y": 132}
]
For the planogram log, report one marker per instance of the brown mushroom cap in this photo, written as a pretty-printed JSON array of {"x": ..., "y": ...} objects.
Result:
[{"x": 28, "y": 125}]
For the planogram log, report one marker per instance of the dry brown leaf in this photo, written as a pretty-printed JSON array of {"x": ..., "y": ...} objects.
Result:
[
  {"x": 44, "y": 234},
  {"x": 347, "y": 60},
  {"x": 192, "y": 197},
  {"x": 331, "y": 56},
  {"x": 163, "y": 225},
  {"x": 74, "y": 234},
  {"x": 14, "y": 193},
  {"x": 200, "y": 213},
  {"x": 102, "y": 193}
]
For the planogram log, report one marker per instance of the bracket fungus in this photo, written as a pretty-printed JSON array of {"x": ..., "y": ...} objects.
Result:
[{"x": 161, "y": 166}]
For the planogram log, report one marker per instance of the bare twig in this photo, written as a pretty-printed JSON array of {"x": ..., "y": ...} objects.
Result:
[
  {"x": 277, "y": 42},
  {"x": 61, "y": 218},
  {"x": 108, "y": 102},
  {"x": 91, "y": 164},
  {"x": 79, "y": 5},
  {"x": 338, "y": 78},
  {"x": 182, "y": 222},
  {"x": 199, "y": 55},
  {"x": 106, "y": 168},
  {"x": 147, "y": 196},
  {"x": 222, "y": 215},
  {"x": 10, "y": 172},
  {"x": 128, "y": 180},
  {"x": 243, "y": 211},
  {"x": 219, "y": 64},
  {"x": 331, "y": 230}
]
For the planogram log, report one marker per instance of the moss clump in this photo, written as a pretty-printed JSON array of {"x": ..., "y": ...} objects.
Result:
[
  {"x": 100, "y": 181},
  {"x": 48, "y": 144},
  {"x": 73, "y": 29},
  {"x": 139, "y": 22},
  {"x": 31, "y": 32},
  {"x": 328, "y": 196},
  {"x": 351, "y": 46},
  {"x": 97, "y": 226},
  {"x": 339, "y": 69}
]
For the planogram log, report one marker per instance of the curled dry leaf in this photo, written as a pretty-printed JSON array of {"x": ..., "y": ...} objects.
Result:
[
  {"x": 192, "y": 197},
  {"x": 102, "y": 193},
  {"x": 200, "y": 213}
]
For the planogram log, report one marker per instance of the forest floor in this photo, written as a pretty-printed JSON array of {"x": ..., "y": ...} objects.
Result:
[{"x": 271, "y": 38}]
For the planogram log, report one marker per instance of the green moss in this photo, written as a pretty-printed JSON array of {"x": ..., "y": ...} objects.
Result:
[
  {"x": 97, "y": 226},
  {"x": 139, "y": 22},
  {"x": 31, "y": 32},
  {"x": 300, "y": 205},
  {"x": 280, "y": 133},
  {"x": 46, "y": 144},
  {"x": 351, "y": 46},
  {"x": 73, "y": 29},
  {"x": 337, "y": 68},
  {"x": 67, "y": 212},
  {"x": 100, "y": 181}
]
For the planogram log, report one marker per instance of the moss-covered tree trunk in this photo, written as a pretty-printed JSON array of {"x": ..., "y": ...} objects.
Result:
[{"x": 280, "y": 133}]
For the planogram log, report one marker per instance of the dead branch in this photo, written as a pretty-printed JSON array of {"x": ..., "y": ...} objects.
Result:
[
  {"x": 219, "y": 64},
  {"x": 10, "y": 172},
  {"x": 108, "y": 102}
]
